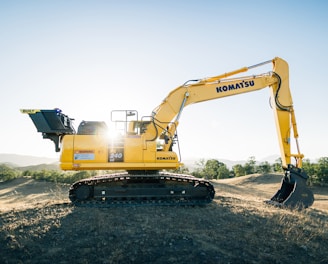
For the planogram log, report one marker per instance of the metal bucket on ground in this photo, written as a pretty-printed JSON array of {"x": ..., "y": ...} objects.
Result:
[{"x": 293, "y": 192}]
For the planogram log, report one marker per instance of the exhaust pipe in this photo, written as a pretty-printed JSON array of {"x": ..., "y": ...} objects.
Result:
[{"x": 293, "y": 192}]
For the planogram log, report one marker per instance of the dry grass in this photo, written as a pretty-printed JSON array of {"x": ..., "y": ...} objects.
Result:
[{"x": 236, "y": 228}]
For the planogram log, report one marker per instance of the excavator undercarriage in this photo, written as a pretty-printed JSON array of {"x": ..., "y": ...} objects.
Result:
[{"x": 158, "y": 188}]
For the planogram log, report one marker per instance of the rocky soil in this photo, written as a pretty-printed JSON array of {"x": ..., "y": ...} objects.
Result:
[{"x": 39, "y": 225}]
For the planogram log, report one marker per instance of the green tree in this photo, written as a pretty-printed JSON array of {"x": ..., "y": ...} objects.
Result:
[
  {"x": 215, "y": 169},
  {"x": 250, "y": 166},
  {"x": 309, "y": 167},
  {"x": 264, "y": 167},
  {"x": 211, "y": 169},
  {"x": 276, "y": 166},
  {"x": 27, "y": 173},
  {"x": 223, "y": 171},
  {"x": 199, "y": 170},
  {"x": 238, "y": 170},
  {"x": 7, "y": 173},
  {"x": 322, "y": 170}
]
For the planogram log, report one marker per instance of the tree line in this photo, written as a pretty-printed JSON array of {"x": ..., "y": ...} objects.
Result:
[
  {"x": 214, "y": 169},
  {"x": 208, "y": 169},
  {"x": 8, "y": 173}
]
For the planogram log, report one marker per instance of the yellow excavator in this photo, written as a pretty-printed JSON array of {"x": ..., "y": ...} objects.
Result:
[{"x": 142, "y": 150}]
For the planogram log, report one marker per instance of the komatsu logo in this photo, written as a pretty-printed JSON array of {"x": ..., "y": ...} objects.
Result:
[
  {"x": 234, "y": 86},
  {"x": 166, "y": 158}
]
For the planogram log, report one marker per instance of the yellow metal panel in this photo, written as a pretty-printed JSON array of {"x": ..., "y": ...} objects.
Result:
[
  {"x": 166, "y": 157},
  {"x": 150, "y": 152},
  {"x": 84, "y": 149},
  {"x": 66, "y": 157},
  {"x": 133, "y": 150}
]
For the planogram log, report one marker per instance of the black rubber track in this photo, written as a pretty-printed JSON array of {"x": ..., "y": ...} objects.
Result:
[{"x": 123, "y": 189}]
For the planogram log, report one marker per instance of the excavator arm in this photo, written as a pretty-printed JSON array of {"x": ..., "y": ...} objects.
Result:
[
  {"x": 293, "y": 191},
  {"x": 220, "y": 86}
]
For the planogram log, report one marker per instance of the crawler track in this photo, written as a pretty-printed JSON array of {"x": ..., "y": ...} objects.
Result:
[{"x": 145, "y": 189}]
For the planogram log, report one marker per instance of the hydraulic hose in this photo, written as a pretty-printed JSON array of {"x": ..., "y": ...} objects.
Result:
[{"x": 278, "y": 104}]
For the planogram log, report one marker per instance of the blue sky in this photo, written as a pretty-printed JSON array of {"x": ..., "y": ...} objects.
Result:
[{"x": 91, "y": 57}]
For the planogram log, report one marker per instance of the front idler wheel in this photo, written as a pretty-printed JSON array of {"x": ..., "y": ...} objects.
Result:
[{"x": 83, "y": 192}]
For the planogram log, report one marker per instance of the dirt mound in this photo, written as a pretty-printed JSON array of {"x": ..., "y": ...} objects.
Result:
[
  {"x": 23, "y": 193},
  {"x": 263, "y": 187},
  {"x": 38, "y": 224},
  {"x": 254, "y": 179}
]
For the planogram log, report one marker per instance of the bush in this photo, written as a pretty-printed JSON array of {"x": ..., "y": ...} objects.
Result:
[
  {"x": 59, "y": 176},
  {"x": 7, "y": 173}
]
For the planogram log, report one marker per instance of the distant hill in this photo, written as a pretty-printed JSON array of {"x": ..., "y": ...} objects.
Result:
[
  {"x": 39, "y": 167},
  {"x": 16, "y": 160}
]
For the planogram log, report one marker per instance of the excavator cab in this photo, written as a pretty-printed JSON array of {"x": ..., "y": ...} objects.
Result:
[{"x": 293, "y": 192}]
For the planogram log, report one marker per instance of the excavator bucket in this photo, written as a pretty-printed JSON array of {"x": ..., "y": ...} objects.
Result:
[{"x": 293, "y": 192}]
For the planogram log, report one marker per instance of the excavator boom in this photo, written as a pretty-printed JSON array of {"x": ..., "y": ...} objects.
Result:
[{"x": 144, "y": 146}]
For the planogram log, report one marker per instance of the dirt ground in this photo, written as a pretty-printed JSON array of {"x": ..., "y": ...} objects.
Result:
[{"x": 39, "y": 225}]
